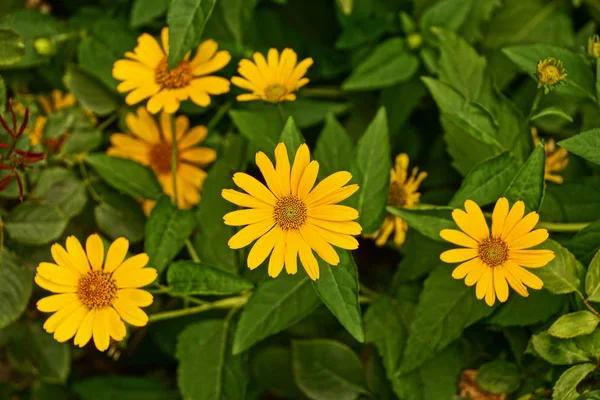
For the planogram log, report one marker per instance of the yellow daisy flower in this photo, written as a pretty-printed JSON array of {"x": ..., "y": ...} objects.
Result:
[
  {"x": 273, "y": 80},
  {"x": 557, "y": 158},
  {"x": 403, "y": 193},
  {"x": 150, "y": 146},
  {"x": 493, "y": 258},
  {"x": 145, "y": 73},
  {"x": 550, "y": 72},
  {"x": 95, "y": 295},
  {"x": 289, "y": 217}
]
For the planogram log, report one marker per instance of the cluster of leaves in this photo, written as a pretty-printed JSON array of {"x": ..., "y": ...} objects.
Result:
[{"x": 449, "y": 82}]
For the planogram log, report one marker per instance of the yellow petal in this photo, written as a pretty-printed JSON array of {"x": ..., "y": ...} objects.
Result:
[
  {"x": 337, "y": 196},
  {"x": 283, "y": 168},
  {"x": 463, "y": 269},
  {"x": 316, "y": 242},
  {"x": 523, "y": 226},
  {"x": 140, "y": 298},
  {"x": 333, "y": 213},
  {"x": 253, "y": 187},
  {"x": 100, "y": 330},
  {"x": 337, "y": 239},
  {"x": 210, "y": 84},
  {"x": 478, "y": 269},
  {"x": 144, "y": 126},
  {"x": 514, "y": 216},
  {"x": 135, "y": 278},
  {"x": 55, "y": 319},
  {"x": 205, "y": 52},
  {"x": 291, "y": 252},
  {"x": 132, "y": 264},
  {"x": 55, "y": 302},
  {"x": 243, "y": 199},
  {"x": 278, "y": 256},
  {"x": 56, "y": 274},
  {"x": 308, "y": 260},
  {"x": 247, "y": 217},
  {"x": 263, "y": 247},
  {"x": 490, "y": 295},
  {"x": 499, "y": 216},
  {"x": 513, "y": 281},
  {"x": 95, "y": 251},
  {"x": 526, "y": 277},
  {"x": 78, "y": 255},
  {"x": 130, "y": 313},
  {"x": 218, "y": 62},
  {"x": 300, "y": 70},
  {"x": 308, "y": 179},
  {"x": 301, "y": 161},
  {"x": 84, "y": 333},
  {"x": 500, "y": 284},
  {"x": 250, "y": 233},
  {"x": 116, "y": 327},
  {"x": 194, "y": 136},
  {"x": 199, "y": 155},
  {"x": 484, "y": 283},
  {"x": 531, "y": 239},
  {"x": 458, "y": 238},
  {"x": 468, "y": 225},
  {"x": 477, "y": 219},
  {"x": 458, "y": 255},
  {"x": 63, "y": 259},
  {"x": 328, "y": 186},
  {"x": 116, "y": 254},
  {"x": 531, "y": 258},
  {"x": 69, "y": 326},
  {"x": 54, "y": 287},
  {"x": 268, "y": 171},
  {"x": 347, "y": 227}
]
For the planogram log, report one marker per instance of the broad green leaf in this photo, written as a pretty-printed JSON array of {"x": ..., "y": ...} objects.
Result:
[
  {"x": 589, "y": 344},
  {"x": 577, "y": 201},
  {"x": 126, "y": 175},
  {"x": 89, "y": 91},
  {"x": 559, "y": 275},
  {"x": 229, "y": 22},
  {"x": 498, "y": 377},
  {"x": 167, "y": 229},
  {"x": 186, "y": 20},
  {"x": 35, "y": 224},
  {"x": 486, "y": 182},
  {"x": 377, "y": 380},
  {"x": 400, "y": 101},
  {"x": 557, "y": 351},
  {"x": 82, "y": 141},
  {"x": 292, "y": 138},
  {"x": 275, "y": 305},
  {"x": 586, "y": 243},
  {"x": 552, "y": 111},
  {"x": 528, "y": 184},
  {"x": 123, "y": 387},
  {"x": 586, "y": 145},
  {"x": 445, "y": 308},
  {"x": 334, "y": 148},
  {"x": 592, "y": 279},
  {"x": 59, "y": 186},
  {"x": 446, "y": 367},
  {"x": 123, "y": 220},
  {"x": 579, "y": 81},
  {"x": 189, "y": 278},
  {"x": 51, "y": 359},
  {"x": 476, "y": 22},
  {"x": 428, "y": 221},
  {"x": 262, "y": 129},
  {"x": 390, "y": 63},
  {"x": 58, "y": 123},
  {"x": 144, "y": 12},
  {"x": 338, "y": 288},
  {"x": 538, "y": 307},
  {"x": 12, "y": 48},
  {"x": 17, "y": 283},
  {"x": 309, "y": 112},
  {"x": 449, "y": 14},
  {"x": 272, "y": 368},
  {"x": 566, "y": 386},
  {"x": 207, "y": 369},
  {"x": 574, "y": 324},
  {"x": 370, "y": 168},
  {"x": 327, "y": 370}
]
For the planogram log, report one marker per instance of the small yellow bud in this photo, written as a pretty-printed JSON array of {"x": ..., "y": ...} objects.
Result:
[
  {"x": 550, "y": 72},
  {"x": 44, "y": 46},
  {"x": 414, "y": 40},
  {"x": 593, "y": 47}
]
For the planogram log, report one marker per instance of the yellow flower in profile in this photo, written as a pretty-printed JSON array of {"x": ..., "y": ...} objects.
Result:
[
  {"x": 550, "y": 72},
  {"x": 94, "y": 294},
  {"x": 593, "y": 46},
  {"x": 493, "y": 258},
  {"x": 290, "y": 216},
  {"x": 403, "y": 193},
  {"x": 150, "y": 145},
  {"x": 273, "y": 80},
  {"x": 557, "y": 158},
  {"x": 145, "y": 74}
]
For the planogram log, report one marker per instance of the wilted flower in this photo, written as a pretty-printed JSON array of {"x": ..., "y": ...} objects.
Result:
[
  {"x": 557, "y": 158},
  {"x": 550, "y": 72},
  {"x": 593, "y": 46},
  {"x": 469, "y": 389}
]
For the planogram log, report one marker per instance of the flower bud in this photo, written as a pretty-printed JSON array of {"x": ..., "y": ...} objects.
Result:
[
  {"x": 593, "y": 47},
  {"x": 550, "y": 73},
  {"x": 414, "y": 40},
  {"x": 44, "y": 46}
]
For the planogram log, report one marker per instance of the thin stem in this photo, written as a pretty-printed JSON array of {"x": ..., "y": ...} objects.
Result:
[
  {"x": 1, "y": 241},
  {"x": 221, "y": 112},
  {"x": 365, "y": 299},
  {"x": 536, "y": 103},
  {"x": 369, "y": 292},
  {"x": 281, "y": 113},
  {"x": 108, "y": 121},
  {"x": 562, "y": 226},
  {"x": 588, "y": 305},
  {"x": 323, "y": 92},
  {"x": 160, "y": 289},
  {"x": 192, "y": 250},
  {"x": 87, "y": 182},
  {"x": 220, "y": 304},
  {"x": 174, "y": 159}
]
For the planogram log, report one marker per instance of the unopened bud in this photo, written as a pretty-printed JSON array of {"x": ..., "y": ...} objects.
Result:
[
  {"x": 44, "y": 46},
  {"x": 414, "y": 40}
]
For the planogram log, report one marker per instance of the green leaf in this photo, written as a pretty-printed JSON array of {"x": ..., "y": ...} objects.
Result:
[
  {"x": 51, "y": 359},
  {"x": 167, "y": 229},
  {"x": 12, "y": 48},
  {"x": 207, "y": 369},
  {"x": 499, "y": 377},
  {"x": 327, "y": 370},
  {"x": 229, "y": 21},
  {"x": 592, "y": 279},
  {"x": 17, "y": 283},
  {"x": 275, "y": 305},
  {"x": 123, "y": 220},
  {"x": 445, "y": 308},
  {"x": 144, "y": 12},
  {"x": 262, "y": 129},
  {"x": 487, "y": 180},
  {"x": 292, "y": 138},
  {"x": 272, "y": 368},
  {"x": 449, "y": 14},
  {"x": 589, "y": 344},
  {"x": 391, "y": 62},
  {"x": 186, "y": 20},
  {"x": 552, "y": 111},
  {"x": 370, "y": 168},
  {"x": 189, "y": 278},
  {"x": 566, "y": 385},
  {"x": 428, "y": 221},
  {"x": 586, "y": 145},
  {"x": 35, "y": 224},
  {"x": 538, "y": 307},
  {"x": 574, "y": 324},
  {"x": 579, "y": 81},
  {"x": 334, "y": 148},
  {"x": 2, "y": 94},
  {"x": 559, "y": 275},
  {"x": 338, "y": 287},
  {"x": 82, "y": 141},
  {"x": 586, "y": 243},
  {"x": 476, "y": 22},
  {"x": 126, "y": 175},
  {"x": 89, "y": 91},
  {"x": 123, "y": 387},
  {"x": 58, "y": 123},
  {"x": 309, "y": 112},
  {"x": 528, "y": 184},
  {"x": 557, "y": 351},
  {"x": 59, "y": 186}
]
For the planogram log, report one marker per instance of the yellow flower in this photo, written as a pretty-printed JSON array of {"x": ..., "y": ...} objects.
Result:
[
  {"x": 497, "y": 257},
  {"x": 593, "y": 47},
  {"x": 550, "y": 72},
  {"x": 37, "y": 133},
  {"x": 403, "y": 193},
  {"x": 272, "y": 80},
  {"x": 557, "y": 158},
  {"x": 150, "y": 146},
  {"x": 145, "y": 73},
  {"x": 58, "y": 101},
  {"x": 95, "y": 295},
  {"x": 290, "y": 217}
]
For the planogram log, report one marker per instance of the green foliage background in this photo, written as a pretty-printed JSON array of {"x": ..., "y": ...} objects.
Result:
[{"x": 449, "y": 82}]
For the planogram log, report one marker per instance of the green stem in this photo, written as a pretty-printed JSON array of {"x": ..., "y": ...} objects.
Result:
[
  {"x": 160, "y": 289},
  {"x": 174, "y": 159},
  {"x": 192, "y": 251},
  {"x": 281, "y": 113},
  {"x": 588, "y": 305},
  {"x": 536, "y": 103},
  {"x": 87, "y": 182},
  {"x": 1, "y": 241},
  {"x": 369, "y": 292},
  {"x": 323, "y": 92},
  {"x": 562, "y": 226},
  {"x": 221, "y": 112},
  {"x": 108, "y": 121},
  {"x": 220, "y": 304},
  {"x": 365, "y": 299}
]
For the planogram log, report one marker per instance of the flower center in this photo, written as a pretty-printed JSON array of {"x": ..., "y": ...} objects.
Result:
[
  {"x": 290, "y": 212},
  {"x": 274, "y": 93},
  {"x": 397, "y": 196},
  {"x": 549, "y": 75},
  {"x": 160, "y": 158},
  {"x": 96, "y": 289},
  {"x": 493, "y": 251},
  {"x": 175, "y": 78}
]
